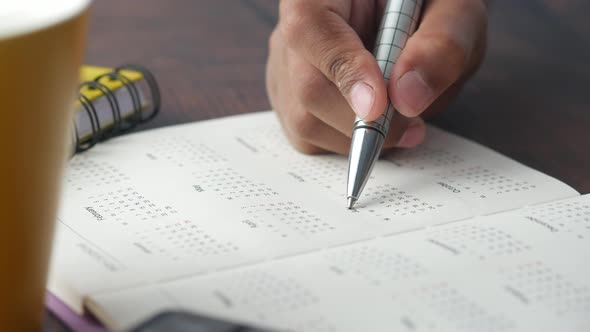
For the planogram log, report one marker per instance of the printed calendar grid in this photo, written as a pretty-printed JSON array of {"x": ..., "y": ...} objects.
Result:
[
  {"x": 454, "y": 308},
  {"x": 182, "y": 152},
  {"x": 568, "y": 217},
  {"x": 179, "y": 238},
  {"x": 389, "y": 203},
  {"x": 179, "y": 242},
  {"x": 284, "y": 219},
  {"x": 231, "y": 184},
  {"x": 266, "y": 292},
  {"x": 85, "y": 172},
  {"x": 535, "y": 283},
  {"x": 127, "y": 206}
]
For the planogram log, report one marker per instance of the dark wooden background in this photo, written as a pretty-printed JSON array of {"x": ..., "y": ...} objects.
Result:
[{"x": 530, "y": 100}]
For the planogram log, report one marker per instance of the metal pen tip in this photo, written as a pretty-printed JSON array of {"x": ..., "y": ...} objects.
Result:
[{"x": 350, "y": 203}]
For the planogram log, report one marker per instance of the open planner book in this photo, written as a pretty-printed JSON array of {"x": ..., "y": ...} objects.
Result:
[{"x": 224, "y": 218}]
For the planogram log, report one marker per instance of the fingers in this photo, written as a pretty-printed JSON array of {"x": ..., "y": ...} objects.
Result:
[
  {"x": 319, "y": 70},
  {"x": 315, "y": 116},
  {"x": 304, "y": 126},
  {"x": 315, "y": 95},
  {"x": 318, "y": 114},
  {"x": 405, "y": 132},
  {"x": 310, "y": 135},
  {"x": 318, "y": 32},
  {"x": 318, "y": 96},
  {"x": 298, "y": 143},
  {"x": 448, "y": 45}
]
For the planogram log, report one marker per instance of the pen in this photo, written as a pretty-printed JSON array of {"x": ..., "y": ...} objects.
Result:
[{"x": 399, "y": 21}]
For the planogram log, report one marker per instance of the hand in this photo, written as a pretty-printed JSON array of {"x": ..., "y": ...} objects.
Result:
[{"x": 319, "y": 69}]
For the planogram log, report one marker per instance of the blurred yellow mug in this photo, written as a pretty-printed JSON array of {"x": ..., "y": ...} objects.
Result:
[{"x": 41, "y": 48}]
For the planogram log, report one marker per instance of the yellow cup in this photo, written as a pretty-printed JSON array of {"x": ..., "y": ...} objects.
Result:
[{"x": 41, "y": 49}]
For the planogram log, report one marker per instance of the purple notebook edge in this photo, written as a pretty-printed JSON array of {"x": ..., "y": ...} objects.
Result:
[{"x": 75, "y": 322}]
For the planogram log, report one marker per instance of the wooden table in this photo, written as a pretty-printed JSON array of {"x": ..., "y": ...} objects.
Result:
[{"x": 529, "y": 101}]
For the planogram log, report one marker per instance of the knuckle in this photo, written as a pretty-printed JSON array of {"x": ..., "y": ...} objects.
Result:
[{"x": 304, "y": 125}]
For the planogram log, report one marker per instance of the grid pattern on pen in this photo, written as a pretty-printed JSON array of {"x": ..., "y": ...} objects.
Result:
[{"x": 399, "y": 22}]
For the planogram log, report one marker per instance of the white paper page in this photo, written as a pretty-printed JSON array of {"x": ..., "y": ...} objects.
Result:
[
  {"x": 184, "y": 200},
  {"x": 504, "y": 272}
]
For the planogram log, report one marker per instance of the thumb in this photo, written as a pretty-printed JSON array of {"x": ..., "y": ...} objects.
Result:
[
  {"x": 447, "y": 47},
  {"x": 318, "y": 32}
]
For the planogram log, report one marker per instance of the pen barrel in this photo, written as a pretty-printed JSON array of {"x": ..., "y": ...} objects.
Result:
[{"x": 399, "y": 22}]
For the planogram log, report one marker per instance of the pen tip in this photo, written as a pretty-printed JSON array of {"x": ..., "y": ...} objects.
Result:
[{"x": 350, "y": 203}]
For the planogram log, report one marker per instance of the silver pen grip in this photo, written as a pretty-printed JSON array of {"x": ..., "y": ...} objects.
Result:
[{"x": 398, "y": 24}]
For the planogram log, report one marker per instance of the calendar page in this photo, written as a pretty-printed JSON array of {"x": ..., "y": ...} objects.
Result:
[
  {"x": 189, "y": 200},
  {"x": 502, "y": 272}
]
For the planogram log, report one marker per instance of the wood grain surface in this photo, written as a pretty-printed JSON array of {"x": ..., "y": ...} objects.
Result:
[{"x": 530, "y": 100}]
